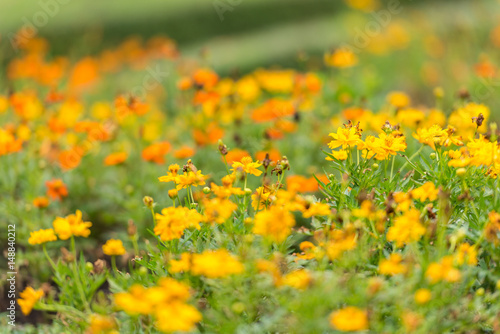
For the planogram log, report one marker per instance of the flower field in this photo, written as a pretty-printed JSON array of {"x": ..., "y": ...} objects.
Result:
[{"x": 148, "y": 191}]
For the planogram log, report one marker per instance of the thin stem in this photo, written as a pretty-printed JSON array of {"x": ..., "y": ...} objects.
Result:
[
  {"x": 48, "y": 258},
  {"x": 113, "y": 264}
]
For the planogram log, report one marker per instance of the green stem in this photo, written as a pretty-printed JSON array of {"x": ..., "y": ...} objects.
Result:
[
  {"x": 113, "y": 264},
  {"x": 77, "y": 277},
  {"x": 48, "y": 258}
]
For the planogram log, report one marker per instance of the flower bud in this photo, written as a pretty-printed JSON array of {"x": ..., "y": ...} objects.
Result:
[
  {"x": 432, "y": 156},
  {"x": 439, "y": 92},
  {"x": 480, "y": 292},
  {"x": 375, "y": 166},
  {"x": 148, "y": 202},
  {"x": 461, "y": 172},
  {"x": 143, "y": 271},
  {"x": 89, "y": 267},
  {"x": 238, "y": 307},
  {"x": 131, "y": 229},
  {"x": 172, "y": 193},
  {"x": 206, "y": 190},
  {"x": 248, "y": 191}
]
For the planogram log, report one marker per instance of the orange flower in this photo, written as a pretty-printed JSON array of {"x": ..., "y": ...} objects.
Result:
[
  {"x": 156, "y": 152},
  {"x": 184, "y": 152},
  {"x": 56, "y": 189},
  {"x": 184, "y": 83},
  {"x": 84, "y": 73},
  {"x": 70, "y": 159},
  {"x": 205, "y": 77},
  {"x": 274, "y": 155},
  {"x": 210, "y": 135},
  {"x": 273, "y": 109},
  {"x": 299, "y": 183},
  {"x": 41, "y": 202},
  {"x": 115, "y": 158},
  {"x": 236, "y": 155}
]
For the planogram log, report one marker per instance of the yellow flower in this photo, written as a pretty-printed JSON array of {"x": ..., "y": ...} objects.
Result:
[
  {"x": 248, "y": 166},
  {"x": 177, "y": 317},
  {"x": 100, "y": 324},
  {"x": 172, "y": 222},
  {"x": 299, "y": 279},
  {"x": 166, "y": 302},
  {"x": 28, "y": 299},
  {"x": 171, "y": 175},
  {"x": 341, "y": 58},
  {"x": 189, "y": 179},
  {"x": 345, "y": 137},
  {"x": 113, "y": 247},
  {"x": 466, "y": 254},
  {"x": 215, "y": 264},
  {"x": 422, "y": 296},
  {"x": 181, "y": 265},
  {"x": 393, "y": 265},
  {"x": 443, "y": 271},
  {"x": 275, "y": 223},
  {"x": 340, "y": 241},
  {"x": 317, "y": 209},
  {"x": 426, "y": 191},
  {"x": 339, "y": 155},
  {"x": 349, "y": 319},
  {"x": 406, "y": 228},
  {"x": 398, "y": 99},
  {"x": 217, "y": 210},
  {"x": 42, "y": 236},
  {"x": 71, "y": 225}
]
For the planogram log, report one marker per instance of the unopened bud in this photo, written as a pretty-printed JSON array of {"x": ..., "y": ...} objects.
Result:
[
  {"x": 99, "y": 266},
  {"x": 89, "y": 267},
  {"x": 375, "y": 166},
  {"x": 461, "y": 171},
  {"x": 172, "y": 193},
  {"x": 131, "y": 229},
  {"x": 148, "y": 202},
  {"x": 206, "y": 190},
  {"x": 248, "y": 191},
  {"x": 222, "y": 148},
  {"x": 432, "y": 156},
  {"x": 143, "y": 271},
  {"x": 480, "y": 292}
]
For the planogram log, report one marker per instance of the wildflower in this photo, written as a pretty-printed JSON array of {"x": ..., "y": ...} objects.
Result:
[
  {"x": 341, "y": 58},
  {"x": 339, "y": 242},
  {"x": 273, "y": 109},
  {"x": 299, "y": 279},
  {"x": 466, "y": 254},
  {"x": 406, "y": 228},
  {"x": 492, "y": 228},
  {"x": 171, "y": 175},
  {"x": 317, "y": 209},
  {"x": 190, "y": 179},
  {"x": 216, "y": 264},
  {"x": 398, "y": 99},
  {"x": 156, "y": 152},
  {"x": 339, "y": 155},
  {"x": 205, "y": 77},
  {"x": 261, "y": 198},
  {"x": 422, "y": 296},
  {"x": 56, "y": 189},
  {"x": 443, "y": 271},
  {"x": 275, "y": 223},
  {"x": 177, "y": 317},
  {"x": 217, "y": 210},
  {"x": 426, "y": 191},
  {"x": 181, "y": 265},
  {"x": 393, "y": 265},
  {"x": 41, "y": 202},
  {"x": 42, "y": 236},
  {"x": 29, "y": 297},
  {"x": 248, "y": 166},
  {"x": 113, "y": 247},
  {"x": 349, "y": 319},
  {"x": 299, "y": 183},
  {"x": 71, "y": 225},
  {"x": 184, "y": 152},
  {"x": 115, "y": 158},
  {"x": 100, "y": 324},
  {"x": 171, "y": 222},
  {"x": 345, "y": 137},
  {"x": 8, "y": 143}
]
